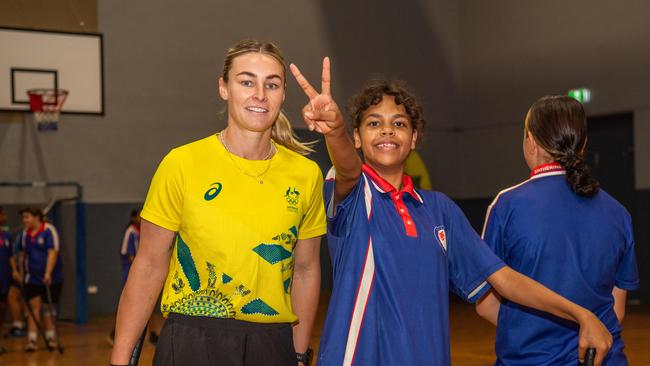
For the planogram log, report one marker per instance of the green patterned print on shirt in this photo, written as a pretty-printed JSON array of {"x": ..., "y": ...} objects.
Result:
[{"x": 184, "y": 256}]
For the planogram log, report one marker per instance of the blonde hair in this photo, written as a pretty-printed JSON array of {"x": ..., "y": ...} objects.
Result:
[{"x": 281, "y": 132}]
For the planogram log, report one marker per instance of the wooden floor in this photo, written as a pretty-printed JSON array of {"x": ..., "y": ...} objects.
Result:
[{"x": 471, "y": 341}]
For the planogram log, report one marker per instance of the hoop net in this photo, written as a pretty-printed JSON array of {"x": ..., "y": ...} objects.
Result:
[{"x": 46, "y": 105}]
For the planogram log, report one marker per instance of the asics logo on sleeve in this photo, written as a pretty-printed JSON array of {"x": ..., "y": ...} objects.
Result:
[{"x": 213, "y": 192}]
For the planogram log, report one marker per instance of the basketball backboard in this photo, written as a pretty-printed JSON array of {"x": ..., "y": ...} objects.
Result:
[{"x": 31, "y": 59}]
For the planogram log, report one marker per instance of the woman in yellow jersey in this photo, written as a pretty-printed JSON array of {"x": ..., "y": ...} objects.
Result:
[{"x": 231, "y": 233}]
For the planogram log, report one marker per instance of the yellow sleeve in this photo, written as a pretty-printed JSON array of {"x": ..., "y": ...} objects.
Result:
[
  {"x": 313, "y": 221},
  {"x": 164, "y": 203},
  {"x": 416, "y": 168}
]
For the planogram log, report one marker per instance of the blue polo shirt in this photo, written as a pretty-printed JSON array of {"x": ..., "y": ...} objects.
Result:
[
  {"x": 6, "y": 252},
  {"x": 36, "y": 246},
  {"x": 129, "y": 247},
  {"x": 396, "y": 255},
  {"x": 579, "y": 247}
]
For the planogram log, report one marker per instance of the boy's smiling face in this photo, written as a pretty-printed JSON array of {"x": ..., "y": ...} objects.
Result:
[{"x": 385, "y": 136}]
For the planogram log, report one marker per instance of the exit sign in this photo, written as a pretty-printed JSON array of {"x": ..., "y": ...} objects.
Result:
[{"x": 582, "y": 95}]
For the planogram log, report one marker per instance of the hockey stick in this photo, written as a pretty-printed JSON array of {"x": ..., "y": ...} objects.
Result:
[
  {"x": 53, "y": 316},
  {"x": 135, "y": 356},
  {"x": 32, "y": 314},
  {"x": 590, "y": 356}
]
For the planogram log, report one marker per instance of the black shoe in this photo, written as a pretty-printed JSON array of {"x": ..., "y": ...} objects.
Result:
[
  {"x": 153, "y": 338},
  {"x": 16, "y": 332}
]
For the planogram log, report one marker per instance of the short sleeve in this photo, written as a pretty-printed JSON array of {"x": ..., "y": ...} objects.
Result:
[
  {"x": 52, "y": 239},
  {"x": 470, "y": 260},
  {"x": 340, "y": 217},
  {"x": 164, "y": 203},
  {"x": 313, "y": 221},
  {"x": 493, "y": 232},
  {"x": 627, "y": 275}
]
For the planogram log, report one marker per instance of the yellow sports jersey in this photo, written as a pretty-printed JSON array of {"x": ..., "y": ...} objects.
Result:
[{"x": 233, "y": 256}]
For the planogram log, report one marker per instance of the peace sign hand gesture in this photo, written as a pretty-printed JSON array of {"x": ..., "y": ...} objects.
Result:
[{"x": 321, "y": 114}]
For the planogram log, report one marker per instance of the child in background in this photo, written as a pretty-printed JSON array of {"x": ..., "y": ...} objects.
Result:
[
  {"x": 128, "y": 249},
  {"x": 43, "y": 268},
  {"x": 6, "y": 253},
  {"x": 559, "y": 228},
  {"x": 130, "y": 241},
  {"x": 13, "y": 296}
]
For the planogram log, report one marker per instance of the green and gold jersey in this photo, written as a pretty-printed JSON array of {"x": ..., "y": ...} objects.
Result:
[{"x": 233, "y": 256}]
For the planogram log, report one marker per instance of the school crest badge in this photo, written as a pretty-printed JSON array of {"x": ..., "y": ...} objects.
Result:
[{"x": 441, "y": 237}]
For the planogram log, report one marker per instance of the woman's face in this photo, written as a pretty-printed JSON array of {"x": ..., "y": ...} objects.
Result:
[
  {"x": 385, "y": 135},
  {"x": 254, "y": 91}
]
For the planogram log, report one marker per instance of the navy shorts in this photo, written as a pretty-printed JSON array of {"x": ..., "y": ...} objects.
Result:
[{"x": 32, "y": 291}]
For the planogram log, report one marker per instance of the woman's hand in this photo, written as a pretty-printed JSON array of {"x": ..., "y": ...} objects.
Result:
[{"x": 321, "y": 114}]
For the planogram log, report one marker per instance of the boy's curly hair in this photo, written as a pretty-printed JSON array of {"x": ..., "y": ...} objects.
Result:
[{"x": 373, "y": 93}]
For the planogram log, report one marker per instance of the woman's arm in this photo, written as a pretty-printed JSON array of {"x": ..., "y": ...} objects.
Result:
[
  {"x": 620, "y": 297},
  {"x": 323, "y": 115},
  {"x": 525, "y": 291},
  {"x": 305, "y": 290},
  {"x": 142, "y": 288},
  {"x": 488, "y": 307}
]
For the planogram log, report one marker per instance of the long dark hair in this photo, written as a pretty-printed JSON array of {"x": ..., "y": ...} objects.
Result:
[{"x": 558, "y": 124}]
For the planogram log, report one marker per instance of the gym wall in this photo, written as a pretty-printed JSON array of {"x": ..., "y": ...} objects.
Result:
[{"x": 476, "y": 67}]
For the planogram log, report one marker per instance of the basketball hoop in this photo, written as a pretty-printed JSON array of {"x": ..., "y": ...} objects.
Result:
[{"x": 46, "y": 105}]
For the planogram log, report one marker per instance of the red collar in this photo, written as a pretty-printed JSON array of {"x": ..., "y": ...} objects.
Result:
[
  {"x": 136, "y": 228},
  {"x": 546, "y": 168},
  {"x": 40, "y": 230},
  {"x": 385, "y": 187}
]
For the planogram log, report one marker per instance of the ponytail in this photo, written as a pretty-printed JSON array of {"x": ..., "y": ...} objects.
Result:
[
  {"x": 578, "y": 174},
  {"x": 559, "y": 125},
  {"x": 283, "y": 134}
]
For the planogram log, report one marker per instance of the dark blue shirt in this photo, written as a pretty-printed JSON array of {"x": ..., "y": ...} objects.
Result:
[
  {"x": 579, "y": 247},
  {"x": 36, "y": 246},
  {"x": 6, "y": 252},
  {"x": 128, "y": 249},
  {"x": 396, "y": 255}
]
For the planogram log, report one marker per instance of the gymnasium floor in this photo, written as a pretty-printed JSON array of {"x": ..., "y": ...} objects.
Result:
[{"x": 471, "y": 341}]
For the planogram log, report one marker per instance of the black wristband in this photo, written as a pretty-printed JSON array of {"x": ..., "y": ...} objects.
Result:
[{"x": 305, "y": 358}]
